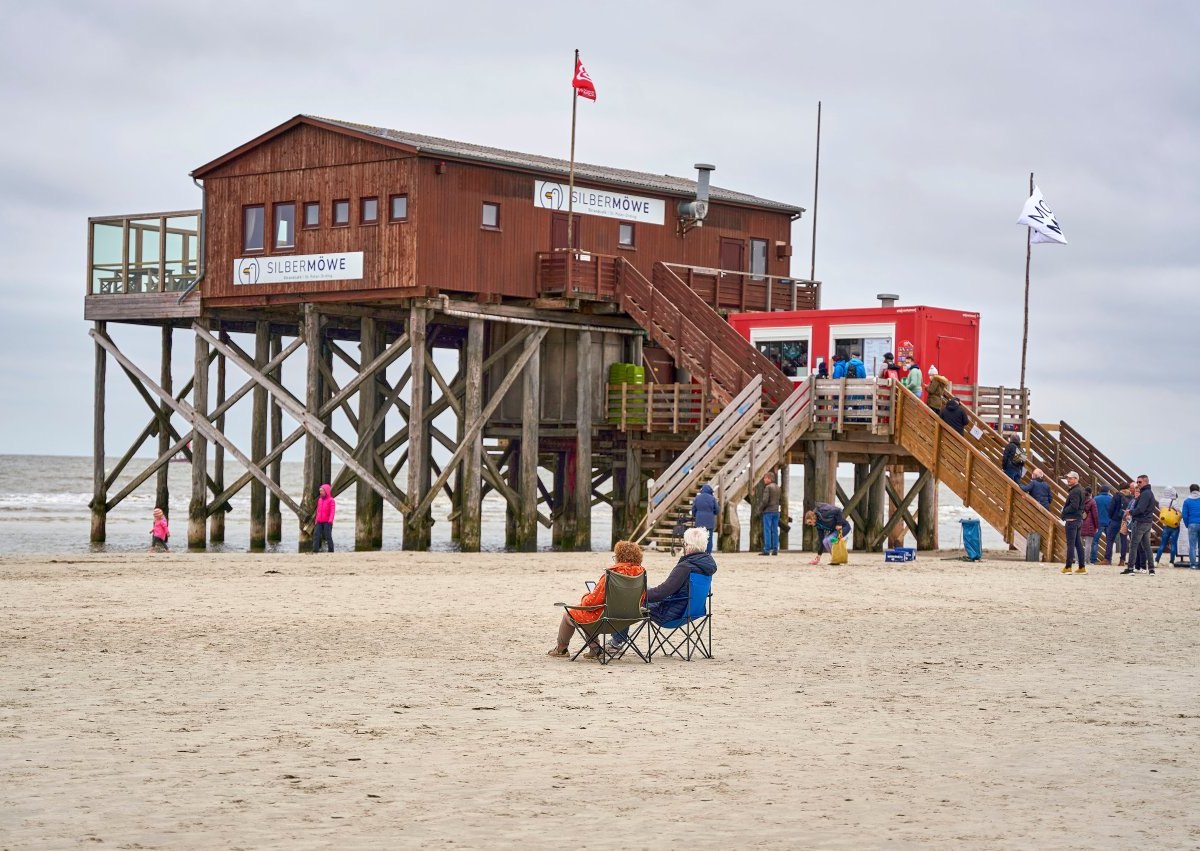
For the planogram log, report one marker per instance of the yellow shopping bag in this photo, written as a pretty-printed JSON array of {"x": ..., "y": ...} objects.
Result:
[{"x": 838, "y": 551}]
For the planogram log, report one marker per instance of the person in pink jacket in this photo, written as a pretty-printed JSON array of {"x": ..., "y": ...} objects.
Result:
[
  {"x": 160, "y": 533},
  {"x": 326, "y": 508}
]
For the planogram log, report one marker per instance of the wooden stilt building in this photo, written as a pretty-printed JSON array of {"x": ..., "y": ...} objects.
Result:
[{"x": 362, "y": 260}]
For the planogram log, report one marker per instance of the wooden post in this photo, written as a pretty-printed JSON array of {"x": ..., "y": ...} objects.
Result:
[
  {"x": 927, "y": 515},
  {"x": 99, "y": 489},
  {"x": 324, "y": 392},
  {"x": 368, "y": 505},
  {"x": 564, "y": 476},
  {"x": 460, "y": 433},
  {"x": 895, "y": 475},
  {"x": 472, "y": 465},
  {"x": 585, "y": 396},
  {"x": 809, "y": 538},
  {"x": 861, "y": 472},
  {"x": 512, "y": 475},
  {"x": 162, "y": 490},
  {"x": 197, "y": 509},
  {"x": 274, "y": 516},
  {"x": 258, "y": 438},
  {"x": 312, "y": 405},
  {"x": 527, "y": 479},
  {"x": 876, "y": 512},
  {"x": 216, "y": 522},
  {"x": 416, "y": 529},
  {"x": 785, "y": 508}
]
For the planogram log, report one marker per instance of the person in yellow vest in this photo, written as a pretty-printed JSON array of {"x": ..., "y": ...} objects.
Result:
[{"x": 1169, "y": 516}]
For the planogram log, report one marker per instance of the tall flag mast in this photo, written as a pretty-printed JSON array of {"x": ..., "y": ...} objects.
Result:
[{"x": 581, "y": 86}]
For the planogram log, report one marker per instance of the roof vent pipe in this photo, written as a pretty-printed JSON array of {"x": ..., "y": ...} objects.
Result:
[
  {"x": 887, "y": 299},
  {"x": 692, "y": 213}
]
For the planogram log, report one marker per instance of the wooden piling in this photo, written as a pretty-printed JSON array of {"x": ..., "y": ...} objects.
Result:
[
  {"x": 368, "y": 505},
  {"x": 927, "y": 515},
  {"x": 274, "y": 515},
  {"x": 162, "y": 489},
  {"x": 877, "y": 508},
  {"x": 861, "y": 472},
  {"x": 216, "y": 521},
  {"x": 898, "y": 532},
  {"x": 99, "y": 488},
  {"x": 197, "y": 507},
  {"x": 472, "y": 463},
  {"x": 562, "y": 520},
  {"x": 258, "y": 438},
  {"x": 585, "y": 405},
  {"x": 312, "y": 404},
  {"x": 527, "y": 489},
  {"x": 416, "y": 528}
]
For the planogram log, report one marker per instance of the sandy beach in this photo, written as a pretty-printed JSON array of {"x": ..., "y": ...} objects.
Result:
[{"x": 404, "y": 700}]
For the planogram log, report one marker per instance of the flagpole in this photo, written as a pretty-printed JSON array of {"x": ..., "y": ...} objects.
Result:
[
  {"x": 812, "y": 269},
  {"x": 571, "y": 178},
  {"x": 1025, "y": 332}
]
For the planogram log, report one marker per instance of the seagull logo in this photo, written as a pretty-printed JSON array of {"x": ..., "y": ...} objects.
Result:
[{"x": 248, "y": 272}]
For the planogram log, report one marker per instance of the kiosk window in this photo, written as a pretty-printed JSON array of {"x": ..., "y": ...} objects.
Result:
[{"x": 791, "y": 356}]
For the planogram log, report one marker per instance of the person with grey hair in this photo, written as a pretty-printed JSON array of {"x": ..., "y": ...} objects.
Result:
[{"x": 668, "y": 600}]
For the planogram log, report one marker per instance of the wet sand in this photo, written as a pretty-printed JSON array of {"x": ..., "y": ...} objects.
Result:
[{"x": 404, "y": 700}]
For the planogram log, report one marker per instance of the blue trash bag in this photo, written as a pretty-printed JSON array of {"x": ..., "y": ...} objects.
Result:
[{"x": 972, "y": 539}]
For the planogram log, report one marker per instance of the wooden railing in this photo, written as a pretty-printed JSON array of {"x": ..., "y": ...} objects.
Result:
[
  {"x": 767, "y": 448},
  {"x": 577, "y": 274},
  {"x": 974, "y": 477},
  {"x": 697, "y": 338},
  {"x": 727, "y": 428},
  {"x": 1001, "y": 408},
  {"x": 671, "y": 408},
  {"x": 864, "y": 403},
  {"x": 742, "y": 291}
]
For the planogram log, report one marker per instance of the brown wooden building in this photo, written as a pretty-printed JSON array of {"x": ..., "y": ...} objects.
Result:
[{"x": 338, "y": 234}]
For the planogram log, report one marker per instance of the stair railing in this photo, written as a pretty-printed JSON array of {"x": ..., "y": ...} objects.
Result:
[{"x": 725, "y": 429}]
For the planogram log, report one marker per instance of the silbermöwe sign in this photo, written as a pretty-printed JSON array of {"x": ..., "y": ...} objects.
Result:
[
  {"x": 600, "y": 202},
  {"x": 297, "y": 268}
]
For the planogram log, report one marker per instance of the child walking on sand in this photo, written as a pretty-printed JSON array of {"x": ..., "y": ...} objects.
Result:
[
  {"x": 326, "y": 508},
  {"x": 160, "y": 533}
]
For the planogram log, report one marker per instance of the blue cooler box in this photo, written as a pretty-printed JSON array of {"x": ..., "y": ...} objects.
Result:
[{"x": 900, "y": 554}]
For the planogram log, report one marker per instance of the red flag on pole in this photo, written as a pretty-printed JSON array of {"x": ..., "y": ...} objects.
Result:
[{"x": 582, "y": 82}]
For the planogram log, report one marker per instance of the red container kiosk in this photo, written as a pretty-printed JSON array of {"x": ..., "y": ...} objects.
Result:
[{"x": 797, "y": 340}]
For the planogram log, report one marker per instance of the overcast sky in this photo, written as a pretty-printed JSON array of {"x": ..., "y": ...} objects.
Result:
[{"x": 935, "y": 113}]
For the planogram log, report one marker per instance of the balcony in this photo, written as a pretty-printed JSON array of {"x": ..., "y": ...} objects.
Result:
[{"x": 139, "y": 265}]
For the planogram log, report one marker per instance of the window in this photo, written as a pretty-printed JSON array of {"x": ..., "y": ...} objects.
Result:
[
  {"x": 758, "y": 259},
  {"x": 253, "y": 219},
  {"x": 285, "y": 225},
  {"x": 491, "y": 215},
  {"x": 312, "y": 214},
  {"x": 368, "y": 211},
  {"x": 398, "y": 208},
  {"x": 791, "y": 356},
  {"x": 341, "y": 214},
  {"x": 625, "y": 235}
]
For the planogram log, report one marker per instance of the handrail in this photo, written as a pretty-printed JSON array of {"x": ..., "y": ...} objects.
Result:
[
  {"x": 980, "y": 484},
  {"x": 767, "y": 447},
  {"x": 728, "y": 426},
  {"x": 749, "y": 284}
]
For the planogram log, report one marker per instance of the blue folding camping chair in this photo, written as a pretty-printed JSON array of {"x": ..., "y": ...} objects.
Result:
[{"x": 692, "y": 632}]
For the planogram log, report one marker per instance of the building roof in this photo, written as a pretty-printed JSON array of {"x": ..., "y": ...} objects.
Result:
[{"x": 584, "y": 172}]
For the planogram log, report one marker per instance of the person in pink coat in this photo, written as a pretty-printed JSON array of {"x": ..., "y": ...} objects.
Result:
[
  {"x": 326, "y": 509},
  {"x": 160, "y": 534}
]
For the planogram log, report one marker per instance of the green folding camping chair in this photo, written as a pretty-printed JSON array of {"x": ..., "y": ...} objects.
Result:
[{"x": 621, "y": 611}]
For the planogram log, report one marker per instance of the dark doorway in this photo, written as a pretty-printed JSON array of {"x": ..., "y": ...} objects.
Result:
[
  {"x": 733, "y": 255},
  {"x": 558, "y": 231}
]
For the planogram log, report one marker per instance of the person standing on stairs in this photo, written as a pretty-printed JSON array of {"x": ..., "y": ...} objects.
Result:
[
  {"x": 1013, "y": 460},
  {"x": 1072, "y": 514},
  {"x": 1038, "y": 489},
  {"x": 704, "y": 513},
  {"x": 954, "y": 415},
  {"x": 913, "y": 379},
  {"x": 768, "y": 506}
]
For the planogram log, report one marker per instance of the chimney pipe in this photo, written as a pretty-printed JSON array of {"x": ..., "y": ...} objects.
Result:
[
  {"x": 703, "y": 170},
  {"x": 887, "y": 299}
]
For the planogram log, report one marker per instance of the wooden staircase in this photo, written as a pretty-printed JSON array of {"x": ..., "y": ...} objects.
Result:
[
  {"x": 974, "y": 475},
  {"x": 697, "y": 337}
]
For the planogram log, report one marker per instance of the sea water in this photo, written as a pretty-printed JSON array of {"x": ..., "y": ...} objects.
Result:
[{"x": 44, "y": 509}]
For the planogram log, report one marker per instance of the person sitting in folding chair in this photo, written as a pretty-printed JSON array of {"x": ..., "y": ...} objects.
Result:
[
  {"x": 668, "y": 601},
  {"x": 628, "y": 558}
]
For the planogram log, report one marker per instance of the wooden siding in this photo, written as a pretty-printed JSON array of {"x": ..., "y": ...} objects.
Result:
[{"x": 305, "y": 147}]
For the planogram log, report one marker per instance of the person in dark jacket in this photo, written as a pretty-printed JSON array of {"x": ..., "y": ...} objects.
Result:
[
  {"x": 1090, "y": 530},
  {"x": 1117, "y": 511},
  {"x": 829, "y": 523},
  {"x": 669, "y": 599},
  {"x": 704, "y": 513},
  {"x": 954, "y": 415},
  {"x": 1072, "y": 515},
  {"x": 1013, "y": 460},
  {"x": 1104, "y": 503},
  {"x": 1038, "y": 489},
  {"x": 1141, "y": 521}
]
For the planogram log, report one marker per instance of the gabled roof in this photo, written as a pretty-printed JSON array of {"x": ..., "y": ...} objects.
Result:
[{"x": 450, "y": 149}]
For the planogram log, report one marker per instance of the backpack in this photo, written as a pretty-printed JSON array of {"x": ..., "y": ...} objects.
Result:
[
  {"x": 1170, "y": 517},
  {"x": 1018, "y": 457},
  {"x": 853, "y": 370}
]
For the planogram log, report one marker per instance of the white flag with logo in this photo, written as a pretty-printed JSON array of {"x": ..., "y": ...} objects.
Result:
[{"x": 1040, "y": 220}]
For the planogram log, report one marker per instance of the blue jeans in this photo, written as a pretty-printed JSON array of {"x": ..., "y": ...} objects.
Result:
[
  {"x": 1096, "y": 545},
  {"x": 711, "y": 534},
  {"x": 1193, "y": 544},
  {"x": 770, "y": 521},
  {"x": 1015, "y": 475},
  {"x": 1113, "y": 536},
  {"x": 1170, "y": 542}
]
